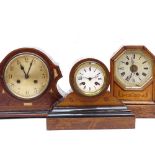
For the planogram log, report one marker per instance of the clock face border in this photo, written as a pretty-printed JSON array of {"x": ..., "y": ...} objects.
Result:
[
  {"x": 117, "y": 55},
  {"x": 144, "y": 53},
  {"x": 77, "y": 65},
  {"x": 22, "y": 51}
]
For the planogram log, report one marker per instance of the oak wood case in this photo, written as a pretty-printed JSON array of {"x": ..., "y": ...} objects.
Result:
[{"x": 135, "y": 99}]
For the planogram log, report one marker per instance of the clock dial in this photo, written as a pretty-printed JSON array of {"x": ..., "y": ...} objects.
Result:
[
  {"x": 133, "y": 69},
  {"x": 90, "y": 78},
  {"x": 26, "y": 76}
]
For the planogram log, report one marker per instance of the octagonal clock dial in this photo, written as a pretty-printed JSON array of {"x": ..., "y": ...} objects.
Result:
[
  {"x": 26, "y": 76},
  {"x": 89, "y": 77},
  {"x": 133, "y": 69}
]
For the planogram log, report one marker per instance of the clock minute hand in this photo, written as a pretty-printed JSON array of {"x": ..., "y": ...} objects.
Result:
[{"x": 27, "y": 75}]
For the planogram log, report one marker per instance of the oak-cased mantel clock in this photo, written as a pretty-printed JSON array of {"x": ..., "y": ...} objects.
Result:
[
  {"x": 27, "y": 83},
  {"x": 132, "y": 79},
  {"x": 90, "y": 105}
]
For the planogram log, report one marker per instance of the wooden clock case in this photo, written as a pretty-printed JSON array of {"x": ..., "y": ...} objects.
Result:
[
  {"x": 140, "y": 102},
  {"x": 76, "y": 111},
  {"x": 14, "y": 107}
]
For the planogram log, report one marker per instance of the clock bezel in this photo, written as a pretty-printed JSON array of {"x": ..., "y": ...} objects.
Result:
[
  {"x": 22, "y": 51},
  {"x": 137, "y": 49},
  {"x": 74, "y": 69}
]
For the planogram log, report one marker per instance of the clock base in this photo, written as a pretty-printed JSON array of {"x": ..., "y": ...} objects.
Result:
[
  {"x": 90, "y": 118},
  {"x": 23, "y": 114},
  {"x": 143, "y": 111},
  {"x": 100, "y": 112}
]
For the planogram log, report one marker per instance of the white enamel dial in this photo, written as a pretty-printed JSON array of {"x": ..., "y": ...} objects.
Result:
[
  {"x": 90, "y": 78},
  {"x": 133, "y": 69}
]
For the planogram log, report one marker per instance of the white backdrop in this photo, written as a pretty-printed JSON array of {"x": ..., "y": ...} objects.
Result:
[{"x": 68, "y": 30}]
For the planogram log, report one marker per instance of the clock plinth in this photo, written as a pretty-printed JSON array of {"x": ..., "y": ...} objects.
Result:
[
  {"x": 142, "y": 109},
  {"x": 99, "y": 112}
]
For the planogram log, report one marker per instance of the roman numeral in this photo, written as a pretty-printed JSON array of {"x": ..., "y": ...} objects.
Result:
[
  {"x": 123, "y": 73},
  {"x": 121, "y": 68},
  {"x": 146, "y": 68},
  {"x": 144, "y": 74},
  {"x": 127, "y": 57},
  {"x": 144, "y": 62},
  {"x": 90, "y": 68}
]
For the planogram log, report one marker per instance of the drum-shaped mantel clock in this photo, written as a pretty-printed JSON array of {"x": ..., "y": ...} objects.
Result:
[
  {"x": 90, "y": 105},
  {"x": 28, "y": 83},
  {"x": 132, "y": 79}
]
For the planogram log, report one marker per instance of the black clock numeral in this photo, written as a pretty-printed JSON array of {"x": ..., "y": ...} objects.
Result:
[
  {"x": 127, "y": 57},
  {"x": 99, "y": 78},
  {"x": 123, "y": 62},
  {"x": 146, "y": 68},
  {"x": 144, "y": 74},
  {"x": 123, "y": 73},
  {"x": 134, "y": 56},
  {"x": 89, "y": 88},
  {"x": 121, "y": 68},
  {"x": 140, "y": 57},
  {"x": 89, "y": 68},
  {"x": 97, "y": 83},
  {"x": 82, "y": 83},
  {"x": 80, "y": 78},
  {"x": 85, "y": 70},
  {"x": 127, "y": 78},
  {"x": 144, "y": 62},
  {"x": 84, "y": 87}
]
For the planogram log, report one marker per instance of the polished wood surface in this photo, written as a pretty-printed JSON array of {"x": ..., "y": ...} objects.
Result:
[
  {"x": 143, "y": 111},
  {"x": 75, "y": 100},
  {"x": 8, "y": 102},
  {"x": 90, "y": 123}
]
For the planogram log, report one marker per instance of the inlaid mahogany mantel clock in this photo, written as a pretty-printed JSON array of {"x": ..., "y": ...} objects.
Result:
[
  {"x": 90, "y": 105},
  {"x": 132, "y": 79},
  {"x": 28, "y": 84}
]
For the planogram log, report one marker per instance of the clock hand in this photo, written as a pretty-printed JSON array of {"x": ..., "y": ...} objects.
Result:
[
  {"x": 22, "y": 68},
  {"x": 27, "y": 75}
]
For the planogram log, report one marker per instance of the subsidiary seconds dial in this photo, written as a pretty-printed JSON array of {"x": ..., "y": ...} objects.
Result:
[
  {"x": 89, "y": 77},
  {"x": 133, "y": 69},
  {"x": 26, "y": 76}
]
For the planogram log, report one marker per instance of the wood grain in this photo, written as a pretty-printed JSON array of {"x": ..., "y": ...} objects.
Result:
[{"x": 90, "y": 123}]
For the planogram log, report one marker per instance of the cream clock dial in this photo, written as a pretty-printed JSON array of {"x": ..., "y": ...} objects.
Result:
[
  {"x": 90, "y": 78},
  {"x": 133, "y": 69},
  {"x": 26, "y": 76}
]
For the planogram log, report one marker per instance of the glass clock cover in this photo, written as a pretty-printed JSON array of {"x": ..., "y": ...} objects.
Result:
[
  {"x": 133, "y": 69},
  {"x": 26, "y": 76},
  {"x": 90, "y": 77}
]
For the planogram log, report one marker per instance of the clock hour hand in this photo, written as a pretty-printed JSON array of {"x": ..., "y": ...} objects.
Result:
[
  {"x": 22, "y": 68},
  {"x": 27, "y": 75}
]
